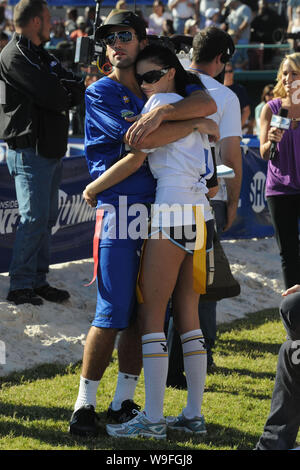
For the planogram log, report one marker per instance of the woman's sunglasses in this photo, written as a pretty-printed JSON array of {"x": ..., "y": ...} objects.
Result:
[
  {"x": 153, "y": 76},
  {"x": 123, "y": 36}
]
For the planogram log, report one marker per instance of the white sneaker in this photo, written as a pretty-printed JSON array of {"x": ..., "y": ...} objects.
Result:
[{"x": 139, "y": 426}]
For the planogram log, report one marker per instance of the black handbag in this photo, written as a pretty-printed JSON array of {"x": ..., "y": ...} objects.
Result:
[{"x": 220, "y": 282}]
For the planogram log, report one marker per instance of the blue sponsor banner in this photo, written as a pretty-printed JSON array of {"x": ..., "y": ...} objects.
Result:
[
  {"x": 74, "y": 229},
  {"x": 253, "y": 217}
]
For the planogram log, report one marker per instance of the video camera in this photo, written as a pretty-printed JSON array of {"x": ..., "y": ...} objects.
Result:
[
  {"x": 294, "y": 36},
  {"x": 91, "y": 50},
  {"x": 280, "y": 36},
  {"x": 88, "y": 49}
]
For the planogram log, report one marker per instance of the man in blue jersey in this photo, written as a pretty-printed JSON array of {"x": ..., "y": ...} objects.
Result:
[{"x": 108, "y": 102}]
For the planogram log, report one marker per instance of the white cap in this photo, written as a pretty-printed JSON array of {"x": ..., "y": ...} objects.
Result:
[
  {"x": 189, "y": 23},
  {"x": 228, "y": 2},
  {"x": 80, "y": 20},
  {"x": 211, "y": 12}
]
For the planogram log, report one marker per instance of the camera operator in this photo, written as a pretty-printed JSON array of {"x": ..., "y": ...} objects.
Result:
[{"x": 34, "y": 123}]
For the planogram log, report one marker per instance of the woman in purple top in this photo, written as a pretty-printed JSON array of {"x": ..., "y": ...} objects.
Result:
[{"x": 283, "y": 176}]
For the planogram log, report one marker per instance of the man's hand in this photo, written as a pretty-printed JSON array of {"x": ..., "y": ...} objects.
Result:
[
  {"x": 231, "y": 215},
  {"x": 143, "y": 126},
  {"x": 209, "y": 127}
]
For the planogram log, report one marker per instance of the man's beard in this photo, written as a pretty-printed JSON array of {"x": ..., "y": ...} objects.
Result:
[{"x": 123, "y": 65}]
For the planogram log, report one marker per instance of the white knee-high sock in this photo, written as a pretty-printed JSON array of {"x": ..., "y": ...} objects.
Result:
[
  {"x": 87, "y": 393},
  {"x": 195, "y": 363},
  {"x": 155, "y": 363},
  {"x": 125, "y": 389}
]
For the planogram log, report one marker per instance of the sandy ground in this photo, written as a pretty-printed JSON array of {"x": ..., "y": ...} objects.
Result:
[{"x": 50, "y": 333}]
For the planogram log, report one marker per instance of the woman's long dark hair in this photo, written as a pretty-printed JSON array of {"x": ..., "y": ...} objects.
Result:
[{"x": 166, "y": 58}]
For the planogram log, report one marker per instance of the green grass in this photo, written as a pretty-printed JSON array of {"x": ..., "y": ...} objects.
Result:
[{"x": 35, "y": 406}]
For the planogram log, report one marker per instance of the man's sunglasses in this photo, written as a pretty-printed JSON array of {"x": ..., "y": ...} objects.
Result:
[
  {"x": 123, "y": 36},
  {"x": 153, "y": 76}
]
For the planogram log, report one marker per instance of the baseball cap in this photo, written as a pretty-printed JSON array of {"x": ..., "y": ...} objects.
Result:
[
  {"x": 122, "y": 18},
  {"x": 211, "y": 12}
]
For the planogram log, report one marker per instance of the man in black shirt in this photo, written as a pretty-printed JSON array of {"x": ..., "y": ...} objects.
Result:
[{"x": 37, "y": 93}]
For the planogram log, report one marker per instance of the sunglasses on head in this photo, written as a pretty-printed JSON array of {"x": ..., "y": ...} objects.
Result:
[
  {"x": 152, "y": 76},
  {"x": 123, "y": 36}
]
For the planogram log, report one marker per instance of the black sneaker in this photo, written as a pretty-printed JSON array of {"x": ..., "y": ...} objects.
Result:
[
  {"x": 125, "y": 413},
  {"x": 24, "y": 296},
  {"x": 84, "y": 422},
  {"x": 52, "y": 294}
]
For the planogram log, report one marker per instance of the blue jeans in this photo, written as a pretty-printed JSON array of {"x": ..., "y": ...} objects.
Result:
[
  {"x": 178, "y": 24},
  {"x": 282, "y": 425},
  {"x": 37, "y": 181}
]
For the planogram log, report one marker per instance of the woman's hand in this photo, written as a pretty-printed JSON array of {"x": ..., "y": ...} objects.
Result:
[
  {"x": 275, "y": 135},
  {"x": 291, "y": 290},
  {"x": 89, "y": 197}
]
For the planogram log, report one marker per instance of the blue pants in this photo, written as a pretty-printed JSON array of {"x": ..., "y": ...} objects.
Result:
[
  {"x": 282, "y": 425},
  {"x": 37, "y": 181},
  {"x": 116, "y": 280},
  {"x": 178, "y": 24}
]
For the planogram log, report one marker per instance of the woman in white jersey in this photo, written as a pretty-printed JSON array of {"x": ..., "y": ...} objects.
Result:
[{"x": 181, "y": 214}]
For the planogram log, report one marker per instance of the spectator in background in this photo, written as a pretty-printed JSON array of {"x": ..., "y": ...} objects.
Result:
[
  {"x": 241, "y": 93},
  {"x": 89, "y": 15},
  {"x": 4, "y": 38},
  {"x": 267, "y": 95},
  {"x": 265, "y": 23},
  {"x": 157, "y": 18},
  {"x": 181, "y": 10},
  {"x": 212, "y": 17},
  {"x": 3, "y": 20},
  {"x": 8, "y": 25},
  {"x": 58, "y": 34},
  {"x": 202, "y": 7},
  {"x": 81, "y": 29},
  {"x": 266, "y": 26},
  {"x": 70, "y": 23},
  {"x": 291, "y": 12},
  {"x": 191, "y": 27},
  {"x": 238, "y": 21},
  {"x": 294, "y": 29},
  {"x": 168, "y": 28}
]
